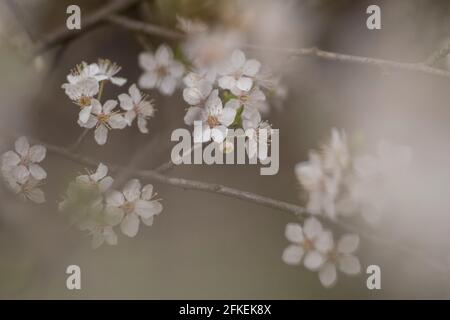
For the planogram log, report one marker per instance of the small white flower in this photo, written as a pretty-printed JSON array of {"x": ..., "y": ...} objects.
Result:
[
  {"x": 322, "y": 188},
  {"x": 133, "y": 203},
  {"x": 198, "y": 94},
  {"x": 161, "y": 70},
  {"x": 339, "y": 256},
  {"x": 98, "y": 179},
  {"x": 108, "y": 70},
  {"x": 103, "y": 118},
  {"x": 101, "y": 233},
  {"x": 85, "y": 71},
  {"x": 136, "y": 105},
  {"x": 24, "y": 185},
  {"x": 306, "y": 243},
  {"x": 238, "y": 73},
  {"x": 82, "y": 93},
  {"x": 24, "y": 160},
  {"x": 214, "y": 117}
]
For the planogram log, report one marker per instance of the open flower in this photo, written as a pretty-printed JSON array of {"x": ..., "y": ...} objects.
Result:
[
  {"x": 108, "y": 70},
  {"x": 306, "y": 244},
  {"x": 133, "y": 203},
  {"x": 24, "y": 185},
  {"x": 24, "y": 160},
  {"x": 161, "y": 70},
  {"x": 238, "y": 73},
  {"x": 104, "y": 119},
  {"x": 197, "y": 94},
  {"x": 214, "y": 118},
  {"x": 136, "y": 105},
  {"x": 98, "y": 179},
  {"x": 340, "y": 256},
  {"x": 321, "y": 187},
  {"x": 82, "y": 93}
]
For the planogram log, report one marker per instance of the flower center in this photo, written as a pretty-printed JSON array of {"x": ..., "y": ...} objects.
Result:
[
  {"x": 84, "y": 101},
  {"x": 128, "y": 207},
  {"x": 103, "y": 118},
  {"x": 162, "y": 71},
  {"x": 308, "y": 244},
  {"x": 213, "y": 121}
]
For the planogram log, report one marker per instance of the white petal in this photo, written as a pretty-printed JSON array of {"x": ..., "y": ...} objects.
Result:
[
  {"x": 142, "y": 125},
  {"x": 117, "y": 121},
  {"x": 237, "y": 59},
  {"x": 10, "y": 159},
  {"x": 146, "y": 209},
  {"x": 176, "y": 69},
  {"x": 97, "y": 240},
  {"x": 312, "y": 228},
  {"x": 292, "y": 255},
  {"x": 227, "y": 82},
  {"x": 132, "y": 190},
  {"x": 324, "y": 241},
  {"x": 100, "y": 172},
  {"x": 115, "y": 198},
  {"x": 36, "y": 195},
  {"x": 251, "y": 67},
  {"x": 118, "y": 81},
  {"x": 349, "y": 264},
  {"x": 294, "y": 232},
  {"x": 109, "y": 106},
  {"x": 147, "y": 192},
  {"x": 126, "y": 102},
  {"x": 130, "y": 225},
  {"x": 148, "y": 80},
  {"x": 219, "y": 133},
  {"x": 20, "y": 174},
  {"x": 96, "y": 106},
  {"x": 167, "y": 86},
  {"x": 84, "y": 114},
  {"x": 163, "y": 55},
  {"x": 313, "y": 260},
  {"x": 244, "y": 83},
  {"x": 101, "y": 134},
  {"x": 233, "y": 104},
  {"x": 22, "y": 146},
  {"x": 37, "y": 172},
  {"x": 348, "y": 243},
  {"x": 148, "y": 221},
  {"x": 135, "y": 94},
  {"x": 113, "y": 215},
  {"x": 147, "y": 61},
  {"x": 110, "y": 236},
  {"x": 227, "y": 116},
  {"x": 193, "y": 114},
  {"x": 328, "y": 275}
]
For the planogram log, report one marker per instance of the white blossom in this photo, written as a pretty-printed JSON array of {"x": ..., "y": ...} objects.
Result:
[
  {"x": 238, "y": 73},
  {"x": 24, "y": 185},
  {"x": 321, "y": 187},
  {"x": 161, "y": 70},
  {"x": 82, "y": 92},
  {"x": 98, "y": 179},
  {"x": 136, "y": 105},
  {"x": 24, "y": 161},
  {"x": 104, "y": 119},
  {"x": 340, "y": 256},
  {"x": 306, "y": 244},
  {"x": 108, "y": 70},
  {"x": 214, "y": 117},
  {"x": 132, "y": 204}
]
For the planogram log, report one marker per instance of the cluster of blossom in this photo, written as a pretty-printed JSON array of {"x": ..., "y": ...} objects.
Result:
[
  {"x": 21, "y": 170},
  {"x": 338, "y": 184},
  {"x": 95, "y": 207},
  {"x": 84, "y": 88},
  {"x": 315, "y": 246},
  {"x": 229, "y": 97}
]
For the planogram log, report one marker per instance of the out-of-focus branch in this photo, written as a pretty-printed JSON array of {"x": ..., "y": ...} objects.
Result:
[
  {"x": 143, "y": 27},
  {"x": 299, "y": 211},
  {"x": 63, "y": 35},
  {"x": 439, "y": 54}
]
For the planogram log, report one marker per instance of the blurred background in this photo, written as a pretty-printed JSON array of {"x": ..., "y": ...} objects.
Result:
[{"x": 206, "y": 246}]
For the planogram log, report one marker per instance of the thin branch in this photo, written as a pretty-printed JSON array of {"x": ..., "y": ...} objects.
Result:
[
  {"x": 438, "y": 55},
  {"x": 63, "y": 34},
  {"x": 139, "y": 26},
  {"x": 299, "y": 211}
]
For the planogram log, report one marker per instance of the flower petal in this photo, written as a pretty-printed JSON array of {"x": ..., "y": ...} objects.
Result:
[
  {"x": 328, "y": 275},
  {"x": 349, "y": 264},
  {"x": 105, "y": 184},
  {"x": 147, "y": 61},
  {"x": 147, "y": 192},
  {"x": 312, "y": 228},
  {"x": 146, "y": 209},
  {"x": 167, "y": 86},
  {"x": 292, "y": 255},
  {"x": 126, "y": 102},
  {"x": 130, "y": 225},
  {"x": 10, "y": 159},
  {"x": 244, "y": 83},
  {"x": 36, "y": 195},
  {"x": 132, "y": 190},
  {"x": 37, "y": 172},
  {"x": 313, "y": 260},
  {"x": 294, "y": 232},
  {"x": 22, "y": 146},
  {"x": 101, "y": 134},
  {"x": 148, "y": 80},
  {"x": 115, "y": 198},
  {"x": 251, "y": 67},
  {"x": 348, "y": 243}
]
